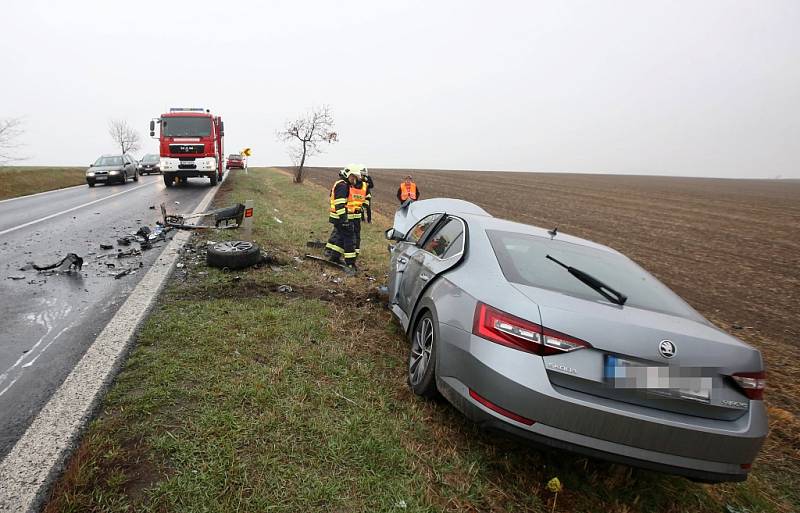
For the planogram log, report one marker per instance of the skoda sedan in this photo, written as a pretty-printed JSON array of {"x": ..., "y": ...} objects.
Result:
[{"x": 570, "y": 344}]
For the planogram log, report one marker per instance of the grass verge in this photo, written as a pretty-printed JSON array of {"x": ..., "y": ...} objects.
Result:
[
  {"x": 23, "y": 180},
  {"x": 239, "y": 397}
]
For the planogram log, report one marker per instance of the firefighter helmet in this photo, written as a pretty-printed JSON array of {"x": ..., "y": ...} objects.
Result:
[{"x": 353, "y": 169}]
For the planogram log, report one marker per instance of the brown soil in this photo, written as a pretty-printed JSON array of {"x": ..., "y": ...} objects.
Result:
[{"x": 731, "y": 248}]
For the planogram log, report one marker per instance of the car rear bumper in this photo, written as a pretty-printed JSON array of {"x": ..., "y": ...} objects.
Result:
[{"x": 707, "y": 449}]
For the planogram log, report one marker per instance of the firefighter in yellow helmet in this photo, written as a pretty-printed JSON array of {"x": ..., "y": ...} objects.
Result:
[{"x": 348, "y": 195}]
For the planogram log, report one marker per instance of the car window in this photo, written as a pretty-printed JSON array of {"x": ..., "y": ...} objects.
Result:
[
  {"x": 523, "y": 259},
  {"x": 108, "y": 161},
  {"x": 418, "y": 231},
  {"x": 447, "y": 239}
]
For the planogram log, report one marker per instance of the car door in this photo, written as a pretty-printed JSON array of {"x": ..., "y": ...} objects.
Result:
[
  {"x": 126, "y": 166},
  {"x": 438, "y": 251},
  {"x": 402, "y": 255}
]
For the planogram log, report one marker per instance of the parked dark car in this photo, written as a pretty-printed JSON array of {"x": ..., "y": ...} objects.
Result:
[
  {"x": 235, "y": 162},
  {"x": 112, "y": 168},
  {"x": 150, "y": 164}
]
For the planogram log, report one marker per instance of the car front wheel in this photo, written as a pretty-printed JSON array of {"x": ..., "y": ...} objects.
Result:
[{"x": 422, "y": 360}]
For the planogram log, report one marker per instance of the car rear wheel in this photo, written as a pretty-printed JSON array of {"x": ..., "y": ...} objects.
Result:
[{"x": 422, "y": 360}]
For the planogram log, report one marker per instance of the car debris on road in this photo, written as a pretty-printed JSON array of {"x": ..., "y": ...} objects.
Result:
[{"x": 69, "y": 263}]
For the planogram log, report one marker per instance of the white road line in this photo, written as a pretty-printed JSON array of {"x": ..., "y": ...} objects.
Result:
[
  {"x": 38, "y": 456},
  {"x": 42, "y": 193},
  {"x": 45, "y": 218}
]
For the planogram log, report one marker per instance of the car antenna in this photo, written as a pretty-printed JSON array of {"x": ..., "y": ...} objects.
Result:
[{"x": 553, "y": 232}]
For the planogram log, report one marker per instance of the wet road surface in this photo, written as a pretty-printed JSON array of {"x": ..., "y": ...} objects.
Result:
[{"x": 48, "y": 321}]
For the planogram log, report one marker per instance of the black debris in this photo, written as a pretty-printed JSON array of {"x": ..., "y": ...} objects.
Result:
[
  {"x": 106, "y": 246},
  {"x": 71, "y": 262}
]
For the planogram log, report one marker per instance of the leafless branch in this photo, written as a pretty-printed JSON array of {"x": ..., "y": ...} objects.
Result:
[
  {"x": 10, "y": 130},
  {"x": 306, "y": 135},
  {"x": 123, "y": 135}
]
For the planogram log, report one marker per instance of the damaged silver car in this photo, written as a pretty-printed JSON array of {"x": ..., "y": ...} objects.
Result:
[{"x": 570, "y": 344}]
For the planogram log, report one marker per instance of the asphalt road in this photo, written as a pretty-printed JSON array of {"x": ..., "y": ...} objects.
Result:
[{"x": 48, "y": 321}]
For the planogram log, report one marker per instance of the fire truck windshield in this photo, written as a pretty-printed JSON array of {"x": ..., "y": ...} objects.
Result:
[{"x": 186, "y": 127}]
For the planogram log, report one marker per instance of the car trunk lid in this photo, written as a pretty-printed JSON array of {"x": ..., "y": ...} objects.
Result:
[{"x": 644, "y": 357}]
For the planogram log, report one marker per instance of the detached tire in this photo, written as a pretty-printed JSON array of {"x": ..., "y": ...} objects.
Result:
[{"x": 234, "y": 254}]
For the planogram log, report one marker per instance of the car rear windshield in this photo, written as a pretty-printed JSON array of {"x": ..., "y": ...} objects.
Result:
[
  {"x": 522, "y": 258},
  {"x": 150, "y": 159},
  {"x": 108, "y": 161},
  {"x": 186, "y": 127}
]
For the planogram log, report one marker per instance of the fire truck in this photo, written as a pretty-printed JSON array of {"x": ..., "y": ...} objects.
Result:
[{"x": 190, "y": 141}]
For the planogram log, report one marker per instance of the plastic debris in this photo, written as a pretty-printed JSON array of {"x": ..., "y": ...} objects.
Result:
[
  {"x": 285, "y": 289},
  {"x": 106, "y": 246},
  {"x": 16, "y": 277}
]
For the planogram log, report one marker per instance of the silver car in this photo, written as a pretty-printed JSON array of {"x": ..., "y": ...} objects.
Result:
[{"x": 570, "y": 344}]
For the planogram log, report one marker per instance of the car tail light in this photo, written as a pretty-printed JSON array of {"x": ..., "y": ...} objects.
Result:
[
  {"x": 499, "y": 409},
  {"x": 508, "y": 330},
  {"x": 751, "y": 383}
]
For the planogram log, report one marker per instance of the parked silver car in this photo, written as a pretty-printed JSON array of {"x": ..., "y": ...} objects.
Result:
[{"x": 570, "y": 344}]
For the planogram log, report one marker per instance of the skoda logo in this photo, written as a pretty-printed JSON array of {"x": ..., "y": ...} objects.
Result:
[{"x": 666, "y": 348}]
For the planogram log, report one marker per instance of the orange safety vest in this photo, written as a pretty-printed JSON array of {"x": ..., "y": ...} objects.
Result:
[
  {"x": 356, "y": 198},
  {"x": 408, "y": 191}
]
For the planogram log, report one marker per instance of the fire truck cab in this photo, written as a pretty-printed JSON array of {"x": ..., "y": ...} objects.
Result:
[{"x": 190, "y": 142}]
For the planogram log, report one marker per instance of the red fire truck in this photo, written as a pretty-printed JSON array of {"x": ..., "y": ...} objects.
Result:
[{"x": 190, "y": 141}]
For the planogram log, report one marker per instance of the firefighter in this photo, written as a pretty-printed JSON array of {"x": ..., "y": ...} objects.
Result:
[
  {"x": 347, "y": 197},
  {"x": 367, "y": 209},
  {"x": 408, "y": 190}
]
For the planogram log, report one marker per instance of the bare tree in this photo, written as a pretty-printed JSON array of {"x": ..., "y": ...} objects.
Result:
[
  {"x": 305, "y": 136},
  {"x": 10, "y": 130},
  {"x": 124, "y": 135}
]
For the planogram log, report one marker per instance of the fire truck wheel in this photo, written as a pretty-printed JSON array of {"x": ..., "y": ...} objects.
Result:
[
  {"x": 213, "y": 178},
  {"x": 233, "y": 254},
  {"x": 169, "y": 181}
]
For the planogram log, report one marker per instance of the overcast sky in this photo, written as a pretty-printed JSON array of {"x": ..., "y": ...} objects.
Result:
[{"x": 678, "y": 88}]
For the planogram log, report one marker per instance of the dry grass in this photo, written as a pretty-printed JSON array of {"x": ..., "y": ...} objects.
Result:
[{"x": 23, "y": 180}]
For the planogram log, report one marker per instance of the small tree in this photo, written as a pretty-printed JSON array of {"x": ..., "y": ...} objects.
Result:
[
  {"x": 10, "y": 130},
  {"x": 305, "y": 136},
  {"x": 123, "y": 135}
]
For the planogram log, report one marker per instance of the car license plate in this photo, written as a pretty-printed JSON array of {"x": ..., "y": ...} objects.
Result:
[
  {"x": 683, "y": 383},
  {"x": 100, "y": 178}
]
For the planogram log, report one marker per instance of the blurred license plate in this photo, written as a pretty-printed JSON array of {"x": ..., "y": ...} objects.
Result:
[
  {"x": 662, "y": 380},
  {"x": 100, "y": 178}
]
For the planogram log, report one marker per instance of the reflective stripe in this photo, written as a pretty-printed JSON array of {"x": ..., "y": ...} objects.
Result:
[
  {"x": 334, "y": 247},
  {"x": 340, "y": 201},
  {"x": 351, "y": 255}
]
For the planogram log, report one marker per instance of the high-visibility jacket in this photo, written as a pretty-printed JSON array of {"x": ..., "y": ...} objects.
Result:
[
  {"x": 408, "y": 191},
  {"x": 355, "y": 200},
  {"x": 347, "y": 200}
]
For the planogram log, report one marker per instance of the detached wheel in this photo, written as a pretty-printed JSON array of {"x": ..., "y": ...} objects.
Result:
[
  {"x": 422, "y": 360},
  {"x": 233, "y": 254}
]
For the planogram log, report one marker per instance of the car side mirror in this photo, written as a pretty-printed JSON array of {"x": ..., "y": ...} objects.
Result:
[{"x": 392, "y": 234}]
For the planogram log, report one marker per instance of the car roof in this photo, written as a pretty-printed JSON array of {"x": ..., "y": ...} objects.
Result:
[
  {"x": 407, "y": 217},
  {"x": 476, "y": 216},
  {"x": 495, "y": 223}
]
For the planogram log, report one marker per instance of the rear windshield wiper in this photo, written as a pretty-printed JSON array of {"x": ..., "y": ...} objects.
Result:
[{"x": 603, "y": 289}]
